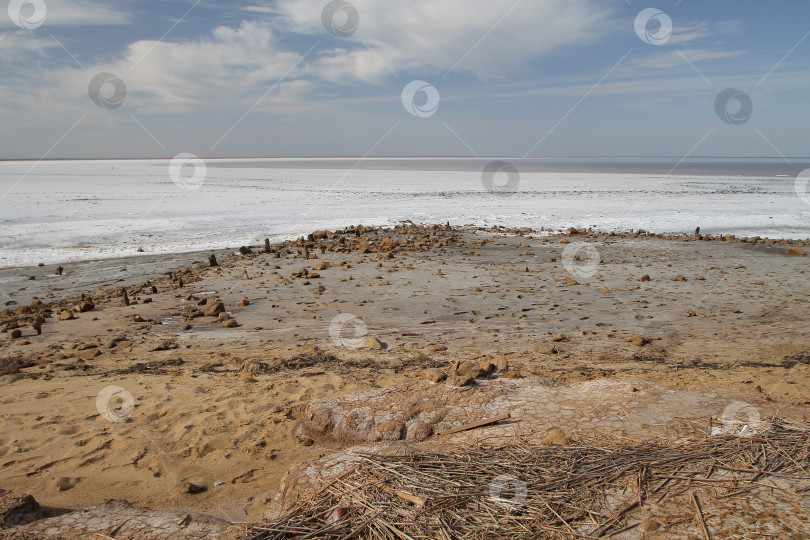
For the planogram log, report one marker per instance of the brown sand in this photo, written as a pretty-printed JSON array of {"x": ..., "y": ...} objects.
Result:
[{"x": 735, "y": 327}]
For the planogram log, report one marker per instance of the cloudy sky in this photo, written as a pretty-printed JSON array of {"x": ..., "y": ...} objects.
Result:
[{"x": 152, "y": 78}]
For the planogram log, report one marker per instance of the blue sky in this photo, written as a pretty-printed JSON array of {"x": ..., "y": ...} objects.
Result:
[{"x": 513, "y": 78}]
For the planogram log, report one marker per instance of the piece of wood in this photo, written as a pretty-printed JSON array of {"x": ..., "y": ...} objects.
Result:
[
  {"x": 699, "y": 514},
  {"x": 473, "y": 425},
  {"x": 418, "y": 501}
]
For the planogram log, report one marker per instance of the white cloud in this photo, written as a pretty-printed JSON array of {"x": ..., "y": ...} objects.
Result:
[
  {"x": 486, "y": 38},
  {"x": 74, "y": 13}
]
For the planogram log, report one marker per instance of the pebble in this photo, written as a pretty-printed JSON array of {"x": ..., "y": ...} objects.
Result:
[
  {"x": 66, "y": 315},
  {"x": 556, "y": 437},
  {"x": 649, "y": 524},
  {"x": 639, "y": 341},
  {"x": 645, "y": 277},
  {"x": 459, "y": 380},
  {"x": 434, "y": 375},
  {"x": 437, "y": 347},
  {"x": 373, "y": 343}
]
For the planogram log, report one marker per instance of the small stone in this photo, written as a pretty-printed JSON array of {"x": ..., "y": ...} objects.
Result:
[
  {"x": 459, "y": 380},
  {"x": 638, "y": 341},
  {"x": 488, "y": 366},
  {"x": 546, "y": 348},
  {"x": 679, "y": 277},
  {"x": 63, "y": 484},
  {"x": 231, "y": 323},
  {"x": 511, "y": 374},
  {"x": 645, "y": 277},
  {"x": 191, "y": 487},
  {"x": 437, "y": 347},
  {"x": 471, "y": 370},
  {"x": 66, "y": 315},
  {"x": 112, "y": 343},
  {"x": 564, "y": 241},
  {"x": 15, "y": 334},
  {"x": 558, "y": 337},
  {"x": 373, "y": 343},
  {"x": 501, "y": 363},
  {"x": 649, "y": 524},
  {"x": 556, "y": 437},
  {"x": 213, "y": 308},
  {"x": 138, "y": 318},
  {"x": 570, "y": 281},
  {"x": 691, "y": 314},
  {"x": 188, "y": 327},
  {"x": 603, "y": 289},
  {"x": 794, "y": 251},
  {"x": 434, "y": 375},
  {"x": 323, "y": 265},
  {"x": 243, "y": 302}
]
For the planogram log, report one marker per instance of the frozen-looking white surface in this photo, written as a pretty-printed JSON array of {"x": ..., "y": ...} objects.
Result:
[{"x": 61, "y": 211}]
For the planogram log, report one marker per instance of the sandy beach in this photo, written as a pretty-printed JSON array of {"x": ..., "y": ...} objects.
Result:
[{"x": 214, "y": 377}]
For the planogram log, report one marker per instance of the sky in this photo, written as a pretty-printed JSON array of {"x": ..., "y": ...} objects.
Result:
[{"x": 512, "y": 78}]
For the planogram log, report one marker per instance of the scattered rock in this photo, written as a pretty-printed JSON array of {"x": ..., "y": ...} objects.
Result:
[
  {"x": 15, "y": 334},
  {"x": 243, "y": 302},
  {"x": 434, "y": 375},
  {"x": 501, "y": 363},
  {"x": 512, "y": 374},
  {"x": 470, "y": 370},
  {"x": 679, "y": 277},
  {"x": 546, "y": 348},
  {"x": 570, "y": 281},
  {"x": 323, "y": 265},
  {"x": 66, "y": 315},
  {"x": 558, "y": 337},
  {"x": 231, "y": 323},
  {"x": 190, "y": 487},
  {"x": 373, "y": 343},
  {"x": 794, "y": 251},
  {"x": 639, "y": 341},
  {"x": 437, "y": 347},
  {"x": 213, "y": 308},
  {"x": 649, "y": 524},
  {"x": 459, "y": 380},
  {"x": 63, "y": 484},
  {"x": 556, "y": 437},
  {"x": 645, "y": 277}
]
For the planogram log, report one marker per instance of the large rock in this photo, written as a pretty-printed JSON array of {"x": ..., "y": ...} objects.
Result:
[{"x": 213, "y": 308}]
